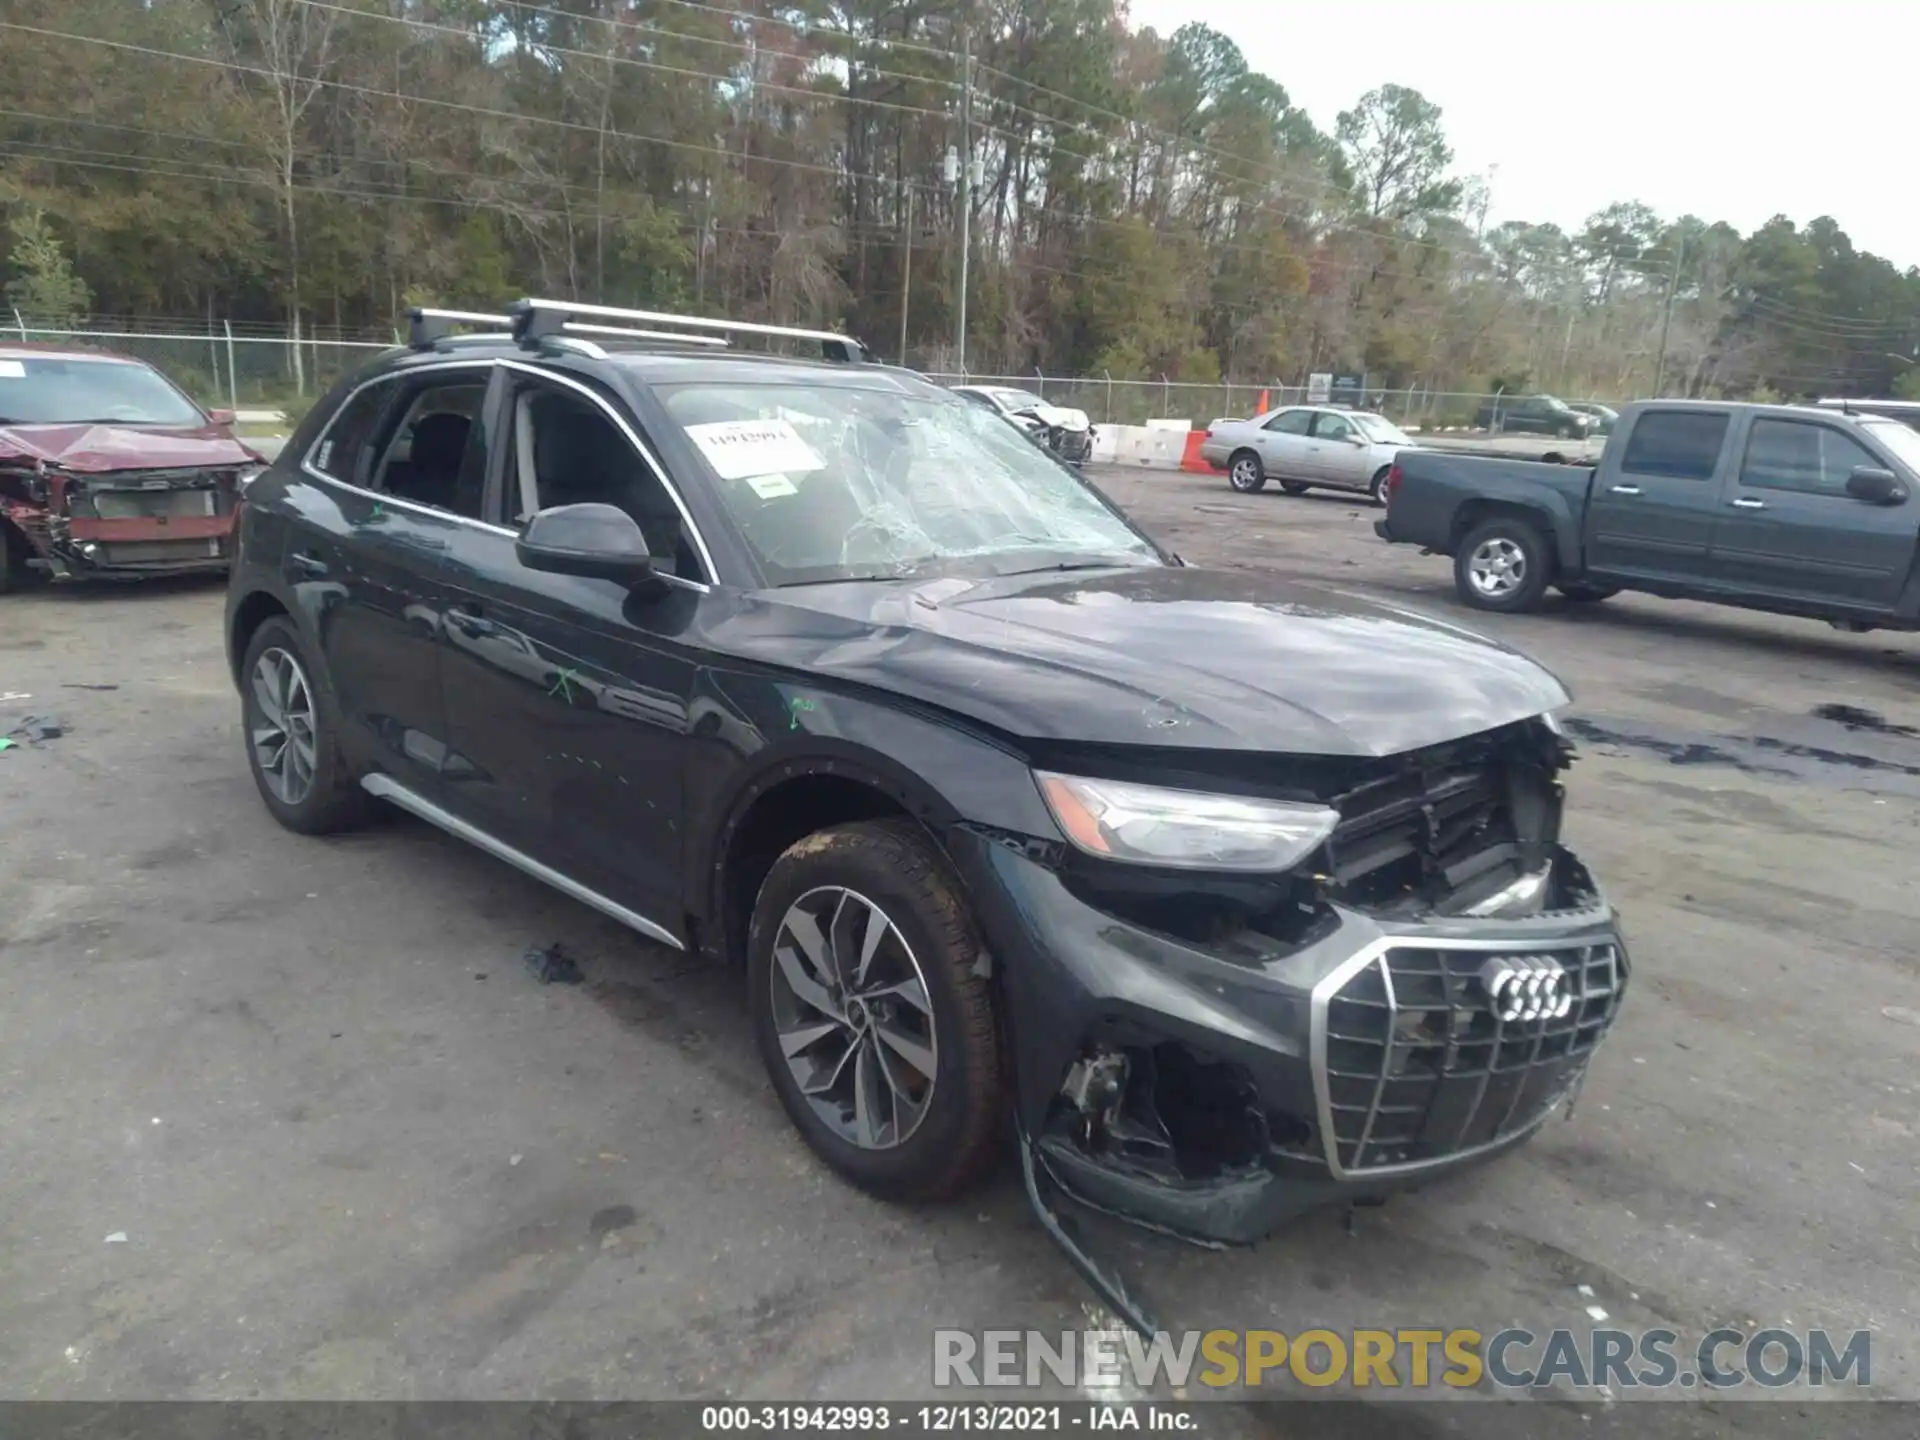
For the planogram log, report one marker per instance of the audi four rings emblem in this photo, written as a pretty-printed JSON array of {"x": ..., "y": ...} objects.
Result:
[{"x": 1526, "y": 987}]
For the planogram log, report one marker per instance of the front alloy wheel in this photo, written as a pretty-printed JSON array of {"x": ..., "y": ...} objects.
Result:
[
  {"x": 873, "y": 1009},
  {"x": 854, "y": 1018}
]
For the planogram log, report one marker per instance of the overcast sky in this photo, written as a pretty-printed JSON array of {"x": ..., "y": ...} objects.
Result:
[{"x": 1735, "y": 112}]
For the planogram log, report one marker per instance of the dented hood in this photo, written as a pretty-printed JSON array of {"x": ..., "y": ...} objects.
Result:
[
  {"x": 1176, "y": 656},
  {"x": 97, "y": 449}
]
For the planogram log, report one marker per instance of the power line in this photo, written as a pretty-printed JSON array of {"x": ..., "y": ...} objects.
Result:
[{"x": 487, "y": 112}]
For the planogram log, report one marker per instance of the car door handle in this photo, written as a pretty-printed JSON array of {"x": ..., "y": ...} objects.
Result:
[
  {"x": 1746, "y": 504},
  {"x": 306, "y": 564},
  {"x": 1626, "y": 489}
]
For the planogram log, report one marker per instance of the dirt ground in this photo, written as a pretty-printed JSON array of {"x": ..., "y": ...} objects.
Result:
[{"x": 288, "y": 1118}]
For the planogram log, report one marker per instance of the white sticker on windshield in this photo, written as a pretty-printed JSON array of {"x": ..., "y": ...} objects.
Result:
[
  {"x": 13, "y": 369},
  {"x": 772, "y": 487},
  {"x": 739, "y": 448}
]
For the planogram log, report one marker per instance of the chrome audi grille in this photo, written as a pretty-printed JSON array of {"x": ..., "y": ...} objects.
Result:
[{"x": 1424, "y": 1054}]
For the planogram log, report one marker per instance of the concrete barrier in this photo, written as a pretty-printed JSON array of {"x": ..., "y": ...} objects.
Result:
[{"x": 1154, "y": 446}]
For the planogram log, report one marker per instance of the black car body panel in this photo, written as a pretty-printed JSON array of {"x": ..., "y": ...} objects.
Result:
[
  {"x": 631, "y": 743},
  {"x": 1730, "y": 516},
  {"x": 1112, "y": 659}
]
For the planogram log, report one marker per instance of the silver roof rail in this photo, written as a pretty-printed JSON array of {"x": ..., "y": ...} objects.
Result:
[
  {"x": 534, "y": 320},
  {"x": 425, "y": 327}
]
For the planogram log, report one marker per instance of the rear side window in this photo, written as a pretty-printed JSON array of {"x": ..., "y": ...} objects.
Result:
[
  {"x": 338, "y": 452},
  {"x": 1683, "y": 444},
  {"x": 1291, "y": 422}
]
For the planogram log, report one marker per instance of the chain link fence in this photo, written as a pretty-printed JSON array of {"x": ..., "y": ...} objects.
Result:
[
  {"x": 1107, "y": 401},
  {"x": 251, "y": 365},
  {"x": 224, "y": 364}
]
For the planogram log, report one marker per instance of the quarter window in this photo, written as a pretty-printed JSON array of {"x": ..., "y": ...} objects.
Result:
[{"x": 345, "y": 442}]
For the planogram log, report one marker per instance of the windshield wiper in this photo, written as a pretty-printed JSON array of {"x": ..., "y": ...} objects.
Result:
[{"x": 1075, "y": 565}]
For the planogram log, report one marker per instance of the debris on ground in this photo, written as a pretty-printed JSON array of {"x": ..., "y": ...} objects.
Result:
[
  {"x": 119, "y": 1237},
  {"x": 14, "y": 695},
  {"x": 5, "y": 744},
  {"x": 36, "y": 728},
  {"x": 551, "y": 965},
  {"x": 80, "y": 685},
  {"x": 1855, "y": 717}
]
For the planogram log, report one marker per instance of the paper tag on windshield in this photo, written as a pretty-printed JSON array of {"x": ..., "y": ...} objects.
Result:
[
  {"x": 772, "y": 487},
  {"x": 13, "y": 369},
  {"x": 738, "y": 449}
]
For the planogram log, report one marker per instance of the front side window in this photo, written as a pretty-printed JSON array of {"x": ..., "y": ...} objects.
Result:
[
  {"x": 831, "y": 482},
  {"x": 567, "y": 451},
  {"x": 1333, "y": 427},
  {"x": 1681, "y": 444},
  {"x": 77, "y": 390},
  {"x": 1795, "y": 455}
]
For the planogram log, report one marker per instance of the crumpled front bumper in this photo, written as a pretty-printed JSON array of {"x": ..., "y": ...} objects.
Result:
[{"x": 1337, "y": 1070}]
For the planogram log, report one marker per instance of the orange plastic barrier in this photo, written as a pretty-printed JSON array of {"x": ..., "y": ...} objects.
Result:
[{"x": 1191, "y": 460}]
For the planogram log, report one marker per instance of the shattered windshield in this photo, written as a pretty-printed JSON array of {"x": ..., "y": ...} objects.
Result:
[
  {"x": 843, "y": 482},
  {"x": 66, "y": 390}
]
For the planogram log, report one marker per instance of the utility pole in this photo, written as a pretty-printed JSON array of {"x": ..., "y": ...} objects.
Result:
[
  {"x": 966, "y": 189},
  {"x": 1666, "y": 320},
  {"x": 906, "y": 277}
]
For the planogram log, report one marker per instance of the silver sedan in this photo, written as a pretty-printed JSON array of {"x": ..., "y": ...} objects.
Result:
[{"x": 1304, "y": 446}]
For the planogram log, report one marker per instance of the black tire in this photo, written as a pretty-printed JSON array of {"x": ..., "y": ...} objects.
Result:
[
  {"x": 1377, "y": 487},
  {"x": 1588, "y": 594},
  {"x": 1519, "y": 544},
  {"x": 1295, "y": 487},
  {"x": 892, "y": 865},
  {"x": 1245, "y": 473},
  {"x": 333, "y": 800},
  {"x": 15, "y": 551}
]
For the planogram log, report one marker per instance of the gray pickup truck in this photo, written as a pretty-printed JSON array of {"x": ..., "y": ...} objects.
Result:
[{"x": 1769, "y": 507}]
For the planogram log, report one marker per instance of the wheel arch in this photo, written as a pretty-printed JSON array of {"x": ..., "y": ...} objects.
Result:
[
  {"x": 1561, "y": 539},
  {"x": 248, "y": 616},
  {"x": 829, "y": 781}
]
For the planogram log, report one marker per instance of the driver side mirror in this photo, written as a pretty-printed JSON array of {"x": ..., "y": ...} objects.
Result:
[
  {"x": 597, "y": 542},
  {"x": 221, "y": 417},
  {"x": 1876, "y": 486}
]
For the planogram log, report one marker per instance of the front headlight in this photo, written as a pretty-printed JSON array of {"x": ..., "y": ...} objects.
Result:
[
  {"x": 247, "y": 476},
  {"x": 1187, "y": 829}
]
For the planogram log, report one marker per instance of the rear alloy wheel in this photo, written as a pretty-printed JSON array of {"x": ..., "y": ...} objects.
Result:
[
  {"x": 1503, "y": 565},
  {"x": 290, "y": 730},
  {"x": 873, "y": 1019},
  {"x": 1245, "y": 472},
  {"x": 1295, "y": 487}
]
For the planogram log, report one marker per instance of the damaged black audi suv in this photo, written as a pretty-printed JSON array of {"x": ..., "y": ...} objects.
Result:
[{"x": 1239, "y": 898}]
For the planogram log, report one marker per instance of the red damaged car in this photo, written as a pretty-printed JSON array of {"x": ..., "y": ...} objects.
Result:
[{"x": 107, "y": 469}]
